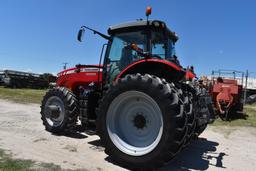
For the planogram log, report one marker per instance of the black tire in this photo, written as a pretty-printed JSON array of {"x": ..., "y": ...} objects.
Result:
[
  {"x": 199, "y": 129},
  {"x": 182, "y": 138},
  {"x": 174, "y": 121},
  {"x": 187, "y": 97},
  {"x": 191, "y": 123},
  {"x": 70, "y": 110}
]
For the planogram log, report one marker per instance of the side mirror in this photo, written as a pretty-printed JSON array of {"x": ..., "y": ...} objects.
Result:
[{"x": 80, "y": 34}]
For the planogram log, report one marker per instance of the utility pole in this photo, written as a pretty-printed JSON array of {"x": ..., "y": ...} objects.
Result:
[
  {"x": 65, "y": 65},
  {"x": 245, "y": 86}
]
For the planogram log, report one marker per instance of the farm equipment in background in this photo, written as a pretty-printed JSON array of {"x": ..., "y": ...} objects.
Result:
[
  {"x": 251, "y": 99},
  {"x": 226, "y": 89},
  {"x": 1, "y": 77},
  {"x": 142, "y": 103},
  {"x": 18, "y": 79}
]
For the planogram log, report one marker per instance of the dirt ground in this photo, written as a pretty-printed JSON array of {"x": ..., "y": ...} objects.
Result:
[{"x": 22, "y": 134}]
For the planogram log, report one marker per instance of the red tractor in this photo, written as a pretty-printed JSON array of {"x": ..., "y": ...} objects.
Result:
[
  {"x": 226, "y": 89},
  {"x": 140, "y": 101}
]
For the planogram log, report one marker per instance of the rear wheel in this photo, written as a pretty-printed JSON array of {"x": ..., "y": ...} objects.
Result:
[
  {"x": 204, "y": 112},
  {"x": 200, "y": 129},
  {"x": 191, "y": 123},
  {"x": 141, "y": 122},
  {"x": 59, "y": 110}
]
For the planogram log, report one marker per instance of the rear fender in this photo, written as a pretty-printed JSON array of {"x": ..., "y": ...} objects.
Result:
[{"x": 160, "y": 68}]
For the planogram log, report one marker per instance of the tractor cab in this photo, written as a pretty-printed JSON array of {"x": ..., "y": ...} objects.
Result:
[
  {"x": 135, "y": 41},
  {"x": 142, "y": 46}
]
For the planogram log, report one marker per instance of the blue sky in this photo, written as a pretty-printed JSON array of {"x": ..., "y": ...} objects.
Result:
[{"x": 39, "y": 35}]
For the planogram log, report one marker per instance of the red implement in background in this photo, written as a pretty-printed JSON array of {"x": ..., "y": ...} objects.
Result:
[{"x": 227, "y": 92}]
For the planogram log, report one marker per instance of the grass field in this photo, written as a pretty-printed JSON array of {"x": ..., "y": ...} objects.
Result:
[
  {"x": 22, "y": 95},
  {"x": 7, "y": 163},
  {"x": 35, "y": 96},
  {"x": 250, "y": 120}
]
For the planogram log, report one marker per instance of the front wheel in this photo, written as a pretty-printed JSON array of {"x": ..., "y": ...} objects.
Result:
[
  {"x": 141, "y": 122},
  {"x": 59, "y": 110}
]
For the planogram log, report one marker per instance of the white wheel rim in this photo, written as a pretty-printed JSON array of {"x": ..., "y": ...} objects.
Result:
[{"x": 134, "y": 123}]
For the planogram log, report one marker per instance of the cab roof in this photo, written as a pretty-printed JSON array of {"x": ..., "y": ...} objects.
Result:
[{"x": 140, "y": 24}]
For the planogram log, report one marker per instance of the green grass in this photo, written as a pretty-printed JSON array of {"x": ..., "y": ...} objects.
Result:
[
  {"x": 250, "y": 120},
  {"x": 22, "y": 95},
  {"x": 8, "y": 164}
]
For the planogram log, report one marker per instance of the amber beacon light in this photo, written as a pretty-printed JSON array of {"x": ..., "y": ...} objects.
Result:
[{"x": 148, "y": 11}]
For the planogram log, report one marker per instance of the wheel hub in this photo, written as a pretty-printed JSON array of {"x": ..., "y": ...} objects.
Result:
[
  {"x": 139, "y": 121},
  {"x": 54, "y": 111}
]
